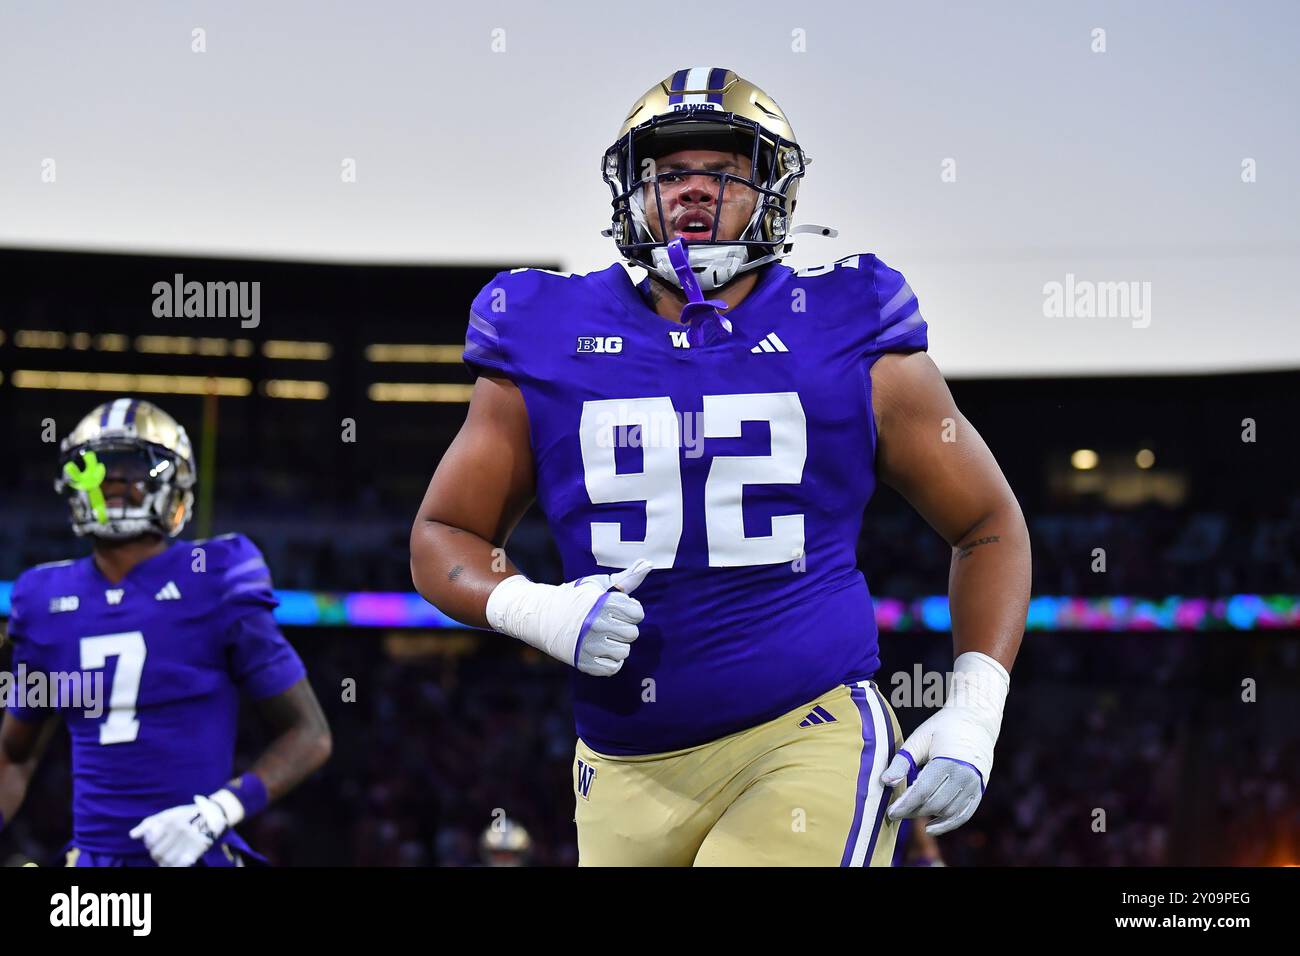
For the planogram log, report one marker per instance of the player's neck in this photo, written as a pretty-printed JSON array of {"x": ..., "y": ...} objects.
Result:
[
  {"x": 668, "y": 300},
  {"x": 115, "y": 559}
]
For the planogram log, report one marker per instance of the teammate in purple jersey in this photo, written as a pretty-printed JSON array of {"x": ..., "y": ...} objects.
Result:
[
  {"x": 173, "y": 633},
  {"x": 704, "y": 465}
]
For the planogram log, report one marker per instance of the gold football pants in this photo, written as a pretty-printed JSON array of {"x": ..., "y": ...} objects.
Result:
[{"x": 800, "y": 790}]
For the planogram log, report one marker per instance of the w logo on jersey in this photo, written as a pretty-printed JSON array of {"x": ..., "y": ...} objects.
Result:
[
  {"x": 114, "y": 595},
  {"x": 680, "y": 340},
  {"x": 586, "y": 774}
]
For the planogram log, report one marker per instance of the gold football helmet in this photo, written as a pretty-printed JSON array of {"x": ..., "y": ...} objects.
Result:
[
  {"x": 139, "y": 450},
  {"x": 706, "y": 108},
  {"x": 505, "y": 843}
]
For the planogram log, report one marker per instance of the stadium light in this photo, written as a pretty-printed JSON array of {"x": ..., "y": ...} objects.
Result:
[
  {"x": 419, "y": 392},
  {"x": 292, "y": 388},
  {"x": 189, "y": 345},
  {"x": 291, "y": 350},
  {"x": 1085, "y": 459},
  {"x": 125, "y": 382},
  {"x": 414, "y": 353},
  {"x": 39, "y": 339}
]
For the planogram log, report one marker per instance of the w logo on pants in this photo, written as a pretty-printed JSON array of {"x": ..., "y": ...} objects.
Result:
[{"x": 586, "y": 774}]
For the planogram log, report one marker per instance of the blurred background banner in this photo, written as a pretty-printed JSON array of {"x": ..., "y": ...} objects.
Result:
[{"x": 1102, "y": 229}]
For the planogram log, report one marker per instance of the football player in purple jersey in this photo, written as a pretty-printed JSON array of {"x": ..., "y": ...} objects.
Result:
[
  {"x": 175, "y": 632},
  {"x": 704, "y": 465}
]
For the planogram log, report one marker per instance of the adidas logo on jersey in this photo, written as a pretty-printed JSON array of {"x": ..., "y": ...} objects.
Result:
[
  {"x": 68, "y": 602},
  {"x": 770, "y": 343},
  {"x": 169, "y": 592},
  {"x": 818, "y": 715}
]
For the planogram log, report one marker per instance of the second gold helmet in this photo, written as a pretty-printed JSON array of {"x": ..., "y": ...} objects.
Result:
[{"x": 136, "y": 443}]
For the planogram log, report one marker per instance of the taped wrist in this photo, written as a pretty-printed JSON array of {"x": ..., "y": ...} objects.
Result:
[
  {"x": 979, "y": 687},
  {"x": 979, "y": 694},
  {"x": 544, "y": 616}
]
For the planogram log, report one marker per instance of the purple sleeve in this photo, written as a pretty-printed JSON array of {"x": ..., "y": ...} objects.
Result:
[
  {"x": 485, "y": 346},
  {"x": 24, "y": 662},
  {"x": 25, "y": 658},
  {"x": 242, "y": 580},
  {"x": 901, "y": 327},
  {"x": 262, "y": 662},
  {"x": 15, "y": 627},
  {"x": 484, "y": 353}
]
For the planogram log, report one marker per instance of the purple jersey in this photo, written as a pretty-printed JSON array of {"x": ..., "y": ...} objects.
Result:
[
  {"x": 177, "y": 640},
  {"x": 740, "y": 469}
]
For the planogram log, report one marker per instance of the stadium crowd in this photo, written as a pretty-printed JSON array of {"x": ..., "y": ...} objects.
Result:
[{"x": 1116, "y": 750}]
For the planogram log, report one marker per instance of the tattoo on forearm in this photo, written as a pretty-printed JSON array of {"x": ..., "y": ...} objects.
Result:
[
  {"x": 965, "y": 550},
  {"x": 454, "y": 573}
]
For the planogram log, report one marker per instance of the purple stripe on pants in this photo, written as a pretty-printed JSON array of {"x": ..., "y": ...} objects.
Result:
[
  {"x": 859, "y": 695},
  {"x": 884, "y": 797}
]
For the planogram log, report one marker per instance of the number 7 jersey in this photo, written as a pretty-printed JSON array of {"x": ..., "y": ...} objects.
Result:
[
  {"x": 161, "y": 659},
  {"x": 740, "y": 469}
]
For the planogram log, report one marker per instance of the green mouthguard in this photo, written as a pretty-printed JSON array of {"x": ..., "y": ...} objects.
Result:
[{"x": 89, "y": 479}]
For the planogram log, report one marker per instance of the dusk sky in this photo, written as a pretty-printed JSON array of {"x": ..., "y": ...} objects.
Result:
[{"x": 1122, "y": 166}]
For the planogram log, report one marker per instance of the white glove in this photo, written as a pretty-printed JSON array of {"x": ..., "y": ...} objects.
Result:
[
  {"x": 953, "y": 748},
  {"x": 589, "y": 623},
  {"x": 179, "y": 836}
]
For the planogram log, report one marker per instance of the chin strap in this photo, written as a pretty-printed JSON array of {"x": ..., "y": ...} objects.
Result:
[{"x": 704, "y": 324}]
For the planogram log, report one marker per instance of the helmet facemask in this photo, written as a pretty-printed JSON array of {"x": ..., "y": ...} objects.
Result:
[
  {"x": 119, "y": 488},
  {"x": 776, "y": 166}
]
